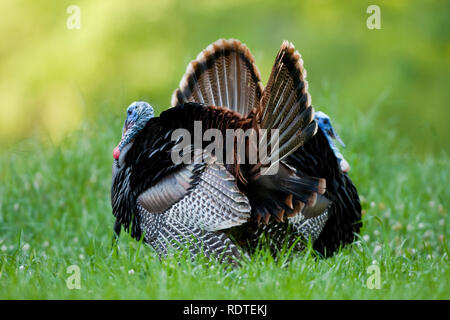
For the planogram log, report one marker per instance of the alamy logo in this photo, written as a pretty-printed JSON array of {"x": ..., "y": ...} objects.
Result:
[
  {"x": 257, "y": 147},
  {"x": 374, "y": 20},
  {"x": 374, "y": 280},
  {"x": 74, "y": 280},
  {"x": 74, "y": 20}
]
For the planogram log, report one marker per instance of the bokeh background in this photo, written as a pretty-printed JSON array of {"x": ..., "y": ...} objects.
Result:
[{"x": 53, "y": 79}]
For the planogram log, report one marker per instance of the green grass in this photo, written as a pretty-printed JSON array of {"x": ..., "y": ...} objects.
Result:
[{"x": 55, "y": 212}]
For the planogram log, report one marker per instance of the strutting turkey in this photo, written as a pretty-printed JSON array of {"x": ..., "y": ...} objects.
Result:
[{"x": 211, "y": 207}]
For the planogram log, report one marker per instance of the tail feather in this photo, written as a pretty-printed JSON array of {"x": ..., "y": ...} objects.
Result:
[
  {"x": 286, "y": 104},
  {"x": 224, "y": 74},
  {"x": 290, "y": 143}
]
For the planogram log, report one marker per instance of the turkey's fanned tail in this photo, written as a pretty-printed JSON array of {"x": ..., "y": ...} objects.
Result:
[
  {"x": 224, "y": 74},
  {"x": 286, "y": 105},
  {"x": 285, "y": 108}
]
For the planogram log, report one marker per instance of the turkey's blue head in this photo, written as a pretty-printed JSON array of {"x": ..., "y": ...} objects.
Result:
[
  {"x": 324, "y": 124},
  {"x": 138, "y": 114}
]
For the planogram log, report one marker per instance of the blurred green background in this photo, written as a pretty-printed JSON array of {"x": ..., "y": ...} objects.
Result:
[{"x": 53, "y": 79}]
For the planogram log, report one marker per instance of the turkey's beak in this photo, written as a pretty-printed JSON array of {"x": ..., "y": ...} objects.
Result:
[
  {"x": 332, "y": 133},
  {"x": 126, "y": 126}
]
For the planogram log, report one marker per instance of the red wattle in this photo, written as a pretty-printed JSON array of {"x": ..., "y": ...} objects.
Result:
[{"x": 116, "y": 153}]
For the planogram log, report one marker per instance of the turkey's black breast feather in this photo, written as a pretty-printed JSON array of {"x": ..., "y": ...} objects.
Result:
[
  {"x": 316, "y": 158},
  {"x": 146, "y": 161}
]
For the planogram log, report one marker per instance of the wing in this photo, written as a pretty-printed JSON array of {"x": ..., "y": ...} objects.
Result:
[
  {"x": 203, "y": 195},
  {"x": 165, "y": 234},
  {"x": 224, "y": 74},
  {"x": 180, "y": 205},
  {"x": 189, "y": 208}
]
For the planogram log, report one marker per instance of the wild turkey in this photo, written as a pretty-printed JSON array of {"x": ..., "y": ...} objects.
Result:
[{"x": 211, "y": 207}]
